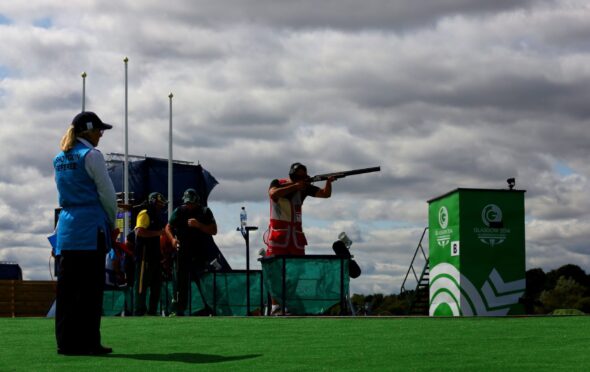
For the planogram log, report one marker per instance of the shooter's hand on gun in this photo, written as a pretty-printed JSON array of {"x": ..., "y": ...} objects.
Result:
[
  {"x": 304, "y": 183},
  {"x": 331, "y": 179}
]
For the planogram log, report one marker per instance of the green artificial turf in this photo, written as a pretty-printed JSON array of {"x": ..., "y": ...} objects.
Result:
[{"x": 309, "y": 344}]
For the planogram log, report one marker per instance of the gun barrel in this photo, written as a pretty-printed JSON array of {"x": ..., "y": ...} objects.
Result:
[
  {"x": 323, "y": 177},
  {"x": 361, "y": 171}
]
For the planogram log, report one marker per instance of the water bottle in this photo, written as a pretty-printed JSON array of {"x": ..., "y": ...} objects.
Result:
[{"x": 243, "y": 218}]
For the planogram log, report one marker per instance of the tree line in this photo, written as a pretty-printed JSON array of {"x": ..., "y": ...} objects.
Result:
[{"x": 567, "y": 287}]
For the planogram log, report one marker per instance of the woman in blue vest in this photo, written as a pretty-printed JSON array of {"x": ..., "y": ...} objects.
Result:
[{"x": 89, "y": 205}]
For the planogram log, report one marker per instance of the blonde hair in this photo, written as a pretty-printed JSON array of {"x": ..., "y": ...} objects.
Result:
[{"x": 68, "y": 141}]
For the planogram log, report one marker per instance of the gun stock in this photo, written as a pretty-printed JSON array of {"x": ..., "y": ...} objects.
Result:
[{"x": 323, "y": 177}]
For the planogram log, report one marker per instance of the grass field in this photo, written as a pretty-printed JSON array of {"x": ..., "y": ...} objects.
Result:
[{"x": 309, "y": 344}]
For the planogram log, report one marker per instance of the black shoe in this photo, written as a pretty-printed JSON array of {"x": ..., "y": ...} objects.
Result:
[{"x": 101, "y": 350}]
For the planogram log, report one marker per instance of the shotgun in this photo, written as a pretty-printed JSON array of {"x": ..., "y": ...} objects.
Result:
[{"x": 337, "y": 175}]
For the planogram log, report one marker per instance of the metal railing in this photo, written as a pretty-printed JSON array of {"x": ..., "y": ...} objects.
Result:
[{"x": 419, "y": 249}]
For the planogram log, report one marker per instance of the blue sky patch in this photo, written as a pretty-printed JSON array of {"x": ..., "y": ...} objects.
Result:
[
  {"x": 4, "y": 20},
  {"x": 43, "y": 22},
  {"x": 562, "y": 169},
  {"x": 4, "y": 72}
]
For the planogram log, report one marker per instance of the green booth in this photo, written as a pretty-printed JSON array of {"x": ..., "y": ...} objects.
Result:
[
  {"x": 477, "y": 253},
  {"x": 307, "y": 285}
]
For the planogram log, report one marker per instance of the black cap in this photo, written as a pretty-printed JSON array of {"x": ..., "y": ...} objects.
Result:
[
  {"x": 191, "y": 196},
  {"x": 87, "y": 120},
  {"x": 155, "y": 197},
  {"x": 295, "y": 167}
]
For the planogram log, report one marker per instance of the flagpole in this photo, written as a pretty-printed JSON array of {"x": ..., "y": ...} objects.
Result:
[
  {"x": 83, "y": 91},
  {"x": 170, "y": 184},
  {"x": 126, "y": 162}
]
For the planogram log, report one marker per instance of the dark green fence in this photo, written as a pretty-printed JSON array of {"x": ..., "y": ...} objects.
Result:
[{"x": 304, "y": 285}]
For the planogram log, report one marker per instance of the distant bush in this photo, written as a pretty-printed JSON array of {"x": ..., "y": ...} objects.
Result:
[{"x": 564, "y": 288}]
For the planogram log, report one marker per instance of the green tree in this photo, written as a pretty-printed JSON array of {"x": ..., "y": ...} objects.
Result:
[
  {"x": 584, "y": 304},
  {"x": 535, "y": 284},
  {"x": 567, "y": 271},
  {"x": 358, "y": 302},
  {"x": 567, "y": 294},
  {"x": 373, "y": 301},
  {"x": 393, "y": 305}
]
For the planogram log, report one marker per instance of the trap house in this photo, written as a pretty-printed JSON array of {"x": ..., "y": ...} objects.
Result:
[{"x": 477, "y": 253}]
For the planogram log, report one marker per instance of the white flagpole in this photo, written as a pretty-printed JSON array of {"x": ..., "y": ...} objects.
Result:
[
  {"x": 83, "y": 90},
  {"x": 126, "y": 163},
  {"x": 170, "y": 183}
]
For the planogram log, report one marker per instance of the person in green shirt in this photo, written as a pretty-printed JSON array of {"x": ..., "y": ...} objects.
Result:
[{"x": 187, "y": 228}]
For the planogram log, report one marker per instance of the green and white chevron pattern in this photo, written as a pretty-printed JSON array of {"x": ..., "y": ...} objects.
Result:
[{"x": 495, "y": 297}]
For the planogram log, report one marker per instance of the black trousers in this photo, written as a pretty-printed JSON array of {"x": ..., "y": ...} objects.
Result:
[
  {"x": 152, "y": 280},
  {"x": 80, "y": 287},
  {"x": 190, "y": 269}
]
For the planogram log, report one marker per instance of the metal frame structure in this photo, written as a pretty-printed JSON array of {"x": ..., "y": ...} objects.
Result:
[{"x": 422, "y": 280}]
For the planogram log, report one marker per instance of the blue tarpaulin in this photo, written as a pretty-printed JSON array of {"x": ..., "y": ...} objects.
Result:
[{"x": 151, "y": 175}]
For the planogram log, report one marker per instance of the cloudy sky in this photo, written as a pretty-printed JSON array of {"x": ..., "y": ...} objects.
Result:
[{"x": 440, "y": 93}]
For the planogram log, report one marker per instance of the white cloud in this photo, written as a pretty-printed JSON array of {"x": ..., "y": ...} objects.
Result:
[{"x": 439, "y": 94}]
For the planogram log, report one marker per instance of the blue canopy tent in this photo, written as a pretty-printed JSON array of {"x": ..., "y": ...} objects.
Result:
[{"x": 149, "y": 175}]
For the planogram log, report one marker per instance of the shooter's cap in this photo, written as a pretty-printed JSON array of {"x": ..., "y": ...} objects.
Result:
[{"x": 295, "y": 167}]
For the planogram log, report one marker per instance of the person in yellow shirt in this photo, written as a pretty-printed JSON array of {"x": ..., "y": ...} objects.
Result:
[{"x": 148, "y": 228}]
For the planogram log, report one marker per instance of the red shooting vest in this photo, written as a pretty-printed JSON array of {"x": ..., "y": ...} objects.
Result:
[{"x": 285, "y": 228}]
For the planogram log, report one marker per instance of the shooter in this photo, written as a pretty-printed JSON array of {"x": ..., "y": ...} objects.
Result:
[{"x": 285, "y": 232}]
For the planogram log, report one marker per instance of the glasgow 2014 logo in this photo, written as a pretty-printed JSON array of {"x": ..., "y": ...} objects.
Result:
[
  {"x": 443, "y": 217},
  {"x": 443, "y": 236},
  {"x": 491, "y": 215},
  {"x": 494, "y": 232}
]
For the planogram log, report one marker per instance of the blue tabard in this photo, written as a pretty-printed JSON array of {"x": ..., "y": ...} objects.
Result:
[{"x": 82, "y": 214}]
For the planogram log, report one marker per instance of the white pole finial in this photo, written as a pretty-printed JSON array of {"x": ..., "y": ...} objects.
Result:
[{"x": 83, "y": 90}]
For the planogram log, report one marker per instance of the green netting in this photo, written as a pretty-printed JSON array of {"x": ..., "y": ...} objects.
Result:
[
  {"x": 117, "y": 301},
  {"x": 312, "y": 284},
  {"x": 225, "y": 293},
  {"x": 113, "y": 302},
  {"x": 229, "y": 297}
]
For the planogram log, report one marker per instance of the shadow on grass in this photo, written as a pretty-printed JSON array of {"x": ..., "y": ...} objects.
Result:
[{"x": 193, "y": 358}]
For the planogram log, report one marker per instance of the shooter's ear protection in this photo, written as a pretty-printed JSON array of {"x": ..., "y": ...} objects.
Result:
[{"x": 294, "y": 168}]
